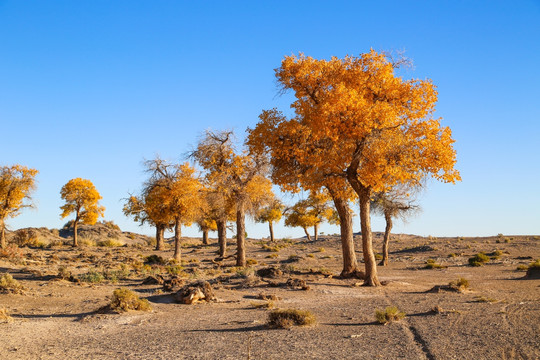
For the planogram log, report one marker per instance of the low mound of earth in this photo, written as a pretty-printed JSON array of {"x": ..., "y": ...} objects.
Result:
[
  {"x": 86, "y": 234},
  {"x": 57, "y": 314}
]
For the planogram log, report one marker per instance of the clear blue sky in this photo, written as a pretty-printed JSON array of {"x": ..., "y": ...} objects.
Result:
[{"x": 90, "y": 88}]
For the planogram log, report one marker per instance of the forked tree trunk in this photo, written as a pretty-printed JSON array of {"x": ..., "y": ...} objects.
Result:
[
  {"x": 75, "y": 225},
  {"x": 205, "y": 237},
  {"x": 387, "y": 230},
  {"x": 177, "y": 237},
  {"x": 160, "y": 230},
  {"x": 271, "y": 227},
  {"x": 371, "y": 278},
  {"x": 316, "y": 232},
  {"x": 363, "y": 192},
  {"x": 240, "y": 235},
  {"x": 350, "y": 264},
  {"x": 222, "y": 237},
  {"x": 307, "y": 233},
  {"x": 3, "y": 234}
]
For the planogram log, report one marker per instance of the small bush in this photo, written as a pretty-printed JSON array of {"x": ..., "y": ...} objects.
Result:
[
  {"x": 378, "y": 256},
  {"x": 478, "y": 259},
  {"x": 63, "y": 273},
  {"x": 460, "y": 284},
  {"x": 11, "y": 252},
  {"x": 522, "y": 267},
  {"x": 110, "y": 243},
  {"x": 9, "y": 285},
  {"x": 125, "y": 300},
  {"x": 286, "y": 318},
  {"x": 321, "y": 249},
  {"x": 390, "y": 314},
  {"x": 93, "y": 277},
  {"x": 155, "y": 259},
  {"x": 4, "y": 316},
  {"x": 263, "y": 305},
  {"x": 251, "y": 262},
  {"x": 452, "y": 255},
  {"x": 431, "y": 264},
  {"x": 272, "y": 256},
  {"x": 175, "y": 270}
]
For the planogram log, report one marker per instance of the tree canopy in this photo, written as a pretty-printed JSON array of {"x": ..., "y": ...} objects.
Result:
[{"x": 16, "y": 185}]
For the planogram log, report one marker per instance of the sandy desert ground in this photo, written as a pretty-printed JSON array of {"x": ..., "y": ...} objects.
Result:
[{"x": 57, "y": 316}]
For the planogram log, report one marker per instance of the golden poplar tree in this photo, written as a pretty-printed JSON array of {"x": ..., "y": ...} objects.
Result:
[
  {"x": 81, "y": 198},
  {"x": 237, "y": 178},
  {"x": 271, "y": 213},
  {"x": 360, "y": 122},
  {"x": 16, "y": 184}
]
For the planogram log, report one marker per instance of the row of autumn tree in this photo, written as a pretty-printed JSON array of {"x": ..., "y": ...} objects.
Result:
[{"x": 359, "y": 134}]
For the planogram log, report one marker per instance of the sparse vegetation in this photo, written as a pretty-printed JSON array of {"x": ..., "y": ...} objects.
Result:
[
  {"x": 5, "y": 316},
  {"x": 460, "y": 284},
  {"x": 286, "y": 318},
  {"x": 479, "y": 259},
  {"x": 125, "y": 300},
  {"x": 9, "y": 285},
  {"x": 431, "y": 264},
  {"x": 388, "y": 315}
]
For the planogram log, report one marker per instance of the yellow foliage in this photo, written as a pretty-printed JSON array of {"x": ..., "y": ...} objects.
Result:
[
  {"x": 16, "y": 184},
  {"x": 82, "y": 198}
]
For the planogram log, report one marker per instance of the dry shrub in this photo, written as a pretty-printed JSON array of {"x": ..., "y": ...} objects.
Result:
[
  {"x": 125, "y": 300},
  {"x": 8, "y": 285},
  {"x": 460, "y": 284},
  {"x": 110, "y": 243},
  {"x": 12, "y": 253},
  {"x": 4, "y": 316},
  {"x": 431, "y": 264},
  {"x": 269, "y": 304},
  {"x": 533, "y": 272},
  {"x": 286, "y": 318},
  {"x": 390, "y": 314},
  {"x": 479, "y": 259}
]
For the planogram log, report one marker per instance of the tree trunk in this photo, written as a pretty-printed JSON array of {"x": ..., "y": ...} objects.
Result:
[
  {"x": 307, "y": 233},
  {"x": 271, "y": 227},
  {"x": 222, "y": 237},
  {"x": 371, "y": 278},
  {"x": 240, "y": 235},
  {"x": 388, "y": 218},
  {"x": 3, "y": 234},
  {"x": 316, "y": 232},
  {"x": 75, "y": 224},
  {"x": 177, "y": 237},
  {"x": 205, "y": 237},
  {"x": 350, "y": 264},
  {"x": 160, "y": 230}
]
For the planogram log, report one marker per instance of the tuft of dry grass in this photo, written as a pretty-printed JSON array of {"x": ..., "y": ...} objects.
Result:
[
  {"x": 460, "y": 284},
  {"x": 9, "y": 285},
  {"x": 431, "y": 264},
  {"x": 388, "y": 315},
  {"x": 125, "y": 300},
  {"x": 479, "y": 259},
  {"x": 286, "y": 318},
  {"x": 4, "y": 316},
  {"x": 269, "y": 304}
]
